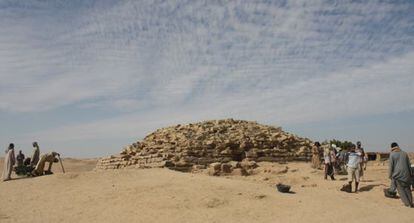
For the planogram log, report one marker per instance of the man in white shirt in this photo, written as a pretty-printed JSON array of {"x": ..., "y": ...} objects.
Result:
[{"x": 353, "y": 168}]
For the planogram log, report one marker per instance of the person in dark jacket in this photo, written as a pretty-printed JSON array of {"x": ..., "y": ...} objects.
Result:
[
  {"x": 400, "y": 173},
  {"x": 20, "y": 159}
]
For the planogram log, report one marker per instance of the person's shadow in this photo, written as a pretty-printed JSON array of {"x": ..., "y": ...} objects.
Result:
[
  {"x": 18, "y": 178},
  {"x": 369, "y": 187}
]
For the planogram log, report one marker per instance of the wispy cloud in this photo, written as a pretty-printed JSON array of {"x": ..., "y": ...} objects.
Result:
[{"x": 364, "y": 91}]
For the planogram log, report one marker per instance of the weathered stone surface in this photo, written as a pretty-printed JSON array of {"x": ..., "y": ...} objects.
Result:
[
  {"x": 226, "y": 168},
  {"x": 214, "y": 169},
  {"x": 228, "y": 142},
  {"x": 239, "y": 172},
  {"x": 248, "y": 165}
]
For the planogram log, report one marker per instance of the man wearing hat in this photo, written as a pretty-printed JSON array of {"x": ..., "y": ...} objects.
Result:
[{"x": 400, "y": 173}]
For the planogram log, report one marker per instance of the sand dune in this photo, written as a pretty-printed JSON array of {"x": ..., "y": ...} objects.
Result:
[{"x": 162, "y": 195}]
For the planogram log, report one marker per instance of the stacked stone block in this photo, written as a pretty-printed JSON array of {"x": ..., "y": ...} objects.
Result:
[{"x": 183, "y": 147}]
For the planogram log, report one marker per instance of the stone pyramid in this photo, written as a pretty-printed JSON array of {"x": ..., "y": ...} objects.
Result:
[{"x": 196, "y": 145}]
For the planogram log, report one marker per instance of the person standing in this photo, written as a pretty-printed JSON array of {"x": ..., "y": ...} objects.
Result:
[
  {"x": 9, "y": 161},
  {"x": 400, "y": 173},
  {"x": 334, "y": 160},
  {"x": 362, "y": 164},
  {"x": 342, "y": 160},
  {"x": 327, "y": 156},
  {"x": 412, "y": 177},
  {"x": 316, "y": 162},
  {"x": 353, "y": 168},
  {"x": 36, "y": 154}
]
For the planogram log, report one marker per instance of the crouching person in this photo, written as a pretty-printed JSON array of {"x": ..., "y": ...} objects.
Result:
[
  {"x": 353, "y": 168},
  {"x": 48, "y": 157}
]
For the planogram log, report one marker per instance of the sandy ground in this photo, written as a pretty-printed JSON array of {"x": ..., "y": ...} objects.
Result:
[{"x": 161, "y": 195}]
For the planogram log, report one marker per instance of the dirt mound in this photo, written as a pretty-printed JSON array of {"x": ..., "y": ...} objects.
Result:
[{"x": 185, "y": 147}]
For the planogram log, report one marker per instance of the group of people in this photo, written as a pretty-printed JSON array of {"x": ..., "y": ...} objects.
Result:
[
  {"x": 336, "y": 160},
  {"x": 333, "y": 158},
  {"x": 353, "y": 163},
  {"x": 31, "y": 166}
]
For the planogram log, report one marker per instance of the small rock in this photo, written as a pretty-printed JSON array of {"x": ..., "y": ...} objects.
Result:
[
  {"x": 247, "y": 165},
  {"x": 261, "y": 196},
  {"x": 214, "y": 169}
]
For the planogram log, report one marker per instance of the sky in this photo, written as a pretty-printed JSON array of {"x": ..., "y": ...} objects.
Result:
[{"x": 87, "y": 77}]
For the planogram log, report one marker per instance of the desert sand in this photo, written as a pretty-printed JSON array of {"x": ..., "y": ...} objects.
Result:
[{"x": 161, "y": 195}]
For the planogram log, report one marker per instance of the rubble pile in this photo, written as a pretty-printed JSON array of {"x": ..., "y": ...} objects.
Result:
[{"x": 221, "y": 145}]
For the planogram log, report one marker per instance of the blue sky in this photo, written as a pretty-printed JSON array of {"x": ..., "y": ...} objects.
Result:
[{"x": 88, "y": 77}]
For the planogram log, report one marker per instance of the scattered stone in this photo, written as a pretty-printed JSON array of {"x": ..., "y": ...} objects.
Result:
[
  {"x": 248, "y": 165},
  {"x": 309, "y": 185},
  {"x": 214, "y": 169},
  {"x": 282, "y": 170},
  {"x": 215, "y": 202},
  {"x": 267, "y": 171},
  {"x": 259, "y": 197},
  {"x": 283, "y": 188}
]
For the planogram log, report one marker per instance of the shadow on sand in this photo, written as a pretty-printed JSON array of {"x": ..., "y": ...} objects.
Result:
[
  {"x": 369, "y": 187},
  {"x": 19, "y": 178}
]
